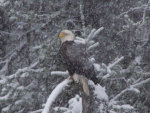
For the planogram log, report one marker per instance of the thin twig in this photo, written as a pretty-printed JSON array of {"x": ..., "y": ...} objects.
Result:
[{"x": 130, "y": 10}]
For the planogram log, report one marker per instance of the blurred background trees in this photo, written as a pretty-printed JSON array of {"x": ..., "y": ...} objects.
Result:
[{"x": 29, "y": 49}]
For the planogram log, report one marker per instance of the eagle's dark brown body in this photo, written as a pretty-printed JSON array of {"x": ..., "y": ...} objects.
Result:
[{"x": 75, "y": 58}]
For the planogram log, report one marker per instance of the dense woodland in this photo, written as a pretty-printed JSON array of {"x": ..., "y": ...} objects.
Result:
[{"x": 29, "y": 58}]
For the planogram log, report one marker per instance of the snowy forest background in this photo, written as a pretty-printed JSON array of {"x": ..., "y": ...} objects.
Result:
[{"x": 29, "y": 60}]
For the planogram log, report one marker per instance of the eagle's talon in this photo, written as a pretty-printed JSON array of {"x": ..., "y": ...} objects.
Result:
[{"x": 71, "y": 78}]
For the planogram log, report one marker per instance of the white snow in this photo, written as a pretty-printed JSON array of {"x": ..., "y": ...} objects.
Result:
[
  {"x": 81, "y": 39},
  {"x": 92, "y": 59},
  {"x": 75, "y": 104},
  {"x": 98, "y": 31},
  {"x": 99, "y": 91},
  {"x": 138, "y": 59},
  {"x": 93, "y": 46},
  {"x": 112, "y": 65},
  {"x": 21, "y": 88},
  {"x": 37, "y": 111},
  {"x": 18, "y": 102},
  {"x": 63, "y": 109},
  {"x": 79, "y": 42},
  {"x": 91, "y": 42},
  {"x": 24, "y": 75},
  {"x": 6, "y": 109},
  {"x": 111, "y": 111},
  {"x": 6, "y": 97},
  {"x": 54, "y": 94},
  {"x": 125, "y": 106},
  {"x": 90, "y": 36},
  {"x": 134, "y": 89},
  {"x": 101, "y": 107},
  {"x": 2, "y": 2},
  {"x": 3, "y": 81},
  {"x": 37, "y": 47},
  {"x": 60, "y": 73},
  {"x": 97, "y": 67},
  {"x": 93, "y": 34},
  {"x": 116, "y": 62},
  {"x": 141, "y": 83}
]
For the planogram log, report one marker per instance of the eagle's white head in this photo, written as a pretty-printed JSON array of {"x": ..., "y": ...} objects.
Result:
[{"x": 66, "y": 35}]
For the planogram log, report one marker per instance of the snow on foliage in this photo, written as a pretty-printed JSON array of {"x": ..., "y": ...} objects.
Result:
[
  {"x": 75, "y": 106},
  {"x": 99, "y": 91},
  {"x": 111, "y": 66},
  {"x": 125, "y": 106},
  {"x": 97, "y": 67},
  {"x": 62, "y": 109},
  {"x": 4, "y": 3},
  {"x": 60, "y": 73}
]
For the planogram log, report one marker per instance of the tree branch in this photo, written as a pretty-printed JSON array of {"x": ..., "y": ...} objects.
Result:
[
  {"x": 112, "y": 65},
  {"x": 59, "y": 88},
  {"x": 60, "y": 73},
  {"x": 131, "y": 88}
]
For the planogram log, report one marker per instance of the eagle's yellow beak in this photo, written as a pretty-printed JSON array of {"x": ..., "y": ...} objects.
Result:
[{"x": 61, "y": 35}]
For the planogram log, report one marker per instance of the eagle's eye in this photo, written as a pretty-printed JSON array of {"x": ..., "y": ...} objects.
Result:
[{"x": 61, "y": 35}]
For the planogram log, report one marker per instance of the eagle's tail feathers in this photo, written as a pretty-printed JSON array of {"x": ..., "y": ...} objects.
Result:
[{"x": 83, "y": 81}]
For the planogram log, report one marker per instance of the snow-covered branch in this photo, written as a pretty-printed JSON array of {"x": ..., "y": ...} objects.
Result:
[
  {"x": 59, "y": 88},
  {"x": 112, "y": 65},
  {"x": 51, "y": 17},
  {"x": 80, "y": 40},
  {"x": 132, "y": 9},
  {"x": 60, "y": 73},
  {"x": 125, "y": 107},
  {"x": 97, "y": 31},
  {"x": 90, "y": 36},
  {"x": 121, "y": 93},
  {"x": 139, "y": 84},
  {"x": 93, "y": 46},
  {"x": 25, "y": 69},
  {"x": 116, "y": 62},
  {"x": 131, "y": 88},
  {"x": 89, "y": 42},
  {"x": 37, "y": 111},
  {"x": 5, "y": 68},
  {"x": 93, "y": 34},
  {"x": 6, "y": 97}
]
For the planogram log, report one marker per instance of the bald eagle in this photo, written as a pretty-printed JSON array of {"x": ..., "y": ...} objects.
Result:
[{"x": 75, "y": 57}]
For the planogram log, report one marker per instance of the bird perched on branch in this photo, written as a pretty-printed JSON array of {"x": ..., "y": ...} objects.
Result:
[{"x": 75, "y": 57}]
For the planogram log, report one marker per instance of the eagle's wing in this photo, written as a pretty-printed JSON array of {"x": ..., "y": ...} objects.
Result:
[
  {"x": 78, "y": 57},
  {"x": 75, "y": 50}
]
